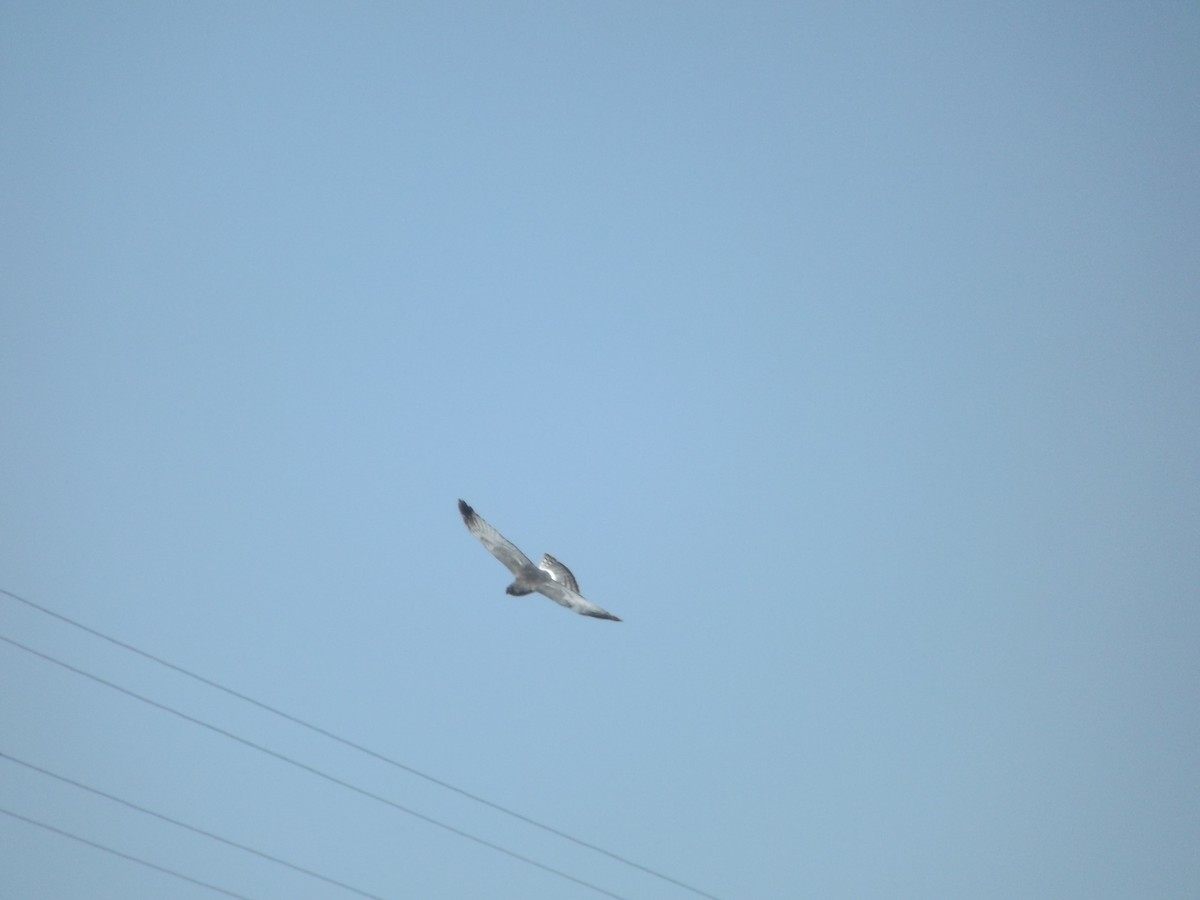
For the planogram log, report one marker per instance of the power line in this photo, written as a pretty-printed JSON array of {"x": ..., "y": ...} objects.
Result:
[
  {"x": 130, "y": 857},
  {"x": 359, "y": 747},
  {"x": 311, "y": 769},
  {"x": 192, "y": 828}
]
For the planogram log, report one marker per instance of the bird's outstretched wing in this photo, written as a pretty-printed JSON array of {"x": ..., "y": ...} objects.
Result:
[
  {"x": 558, "y": 572},
  {"x": 572, "y": 600},
  {"x": 499, "y": 546}
]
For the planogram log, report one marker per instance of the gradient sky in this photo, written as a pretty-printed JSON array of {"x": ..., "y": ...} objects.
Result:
[{"x": 849, "y": 352}]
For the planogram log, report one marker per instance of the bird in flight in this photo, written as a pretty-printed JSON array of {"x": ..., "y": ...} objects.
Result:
[{"x": 550, "y": 578}]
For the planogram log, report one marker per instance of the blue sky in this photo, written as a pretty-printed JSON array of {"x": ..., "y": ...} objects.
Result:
[{"x": 848, "y": 353}]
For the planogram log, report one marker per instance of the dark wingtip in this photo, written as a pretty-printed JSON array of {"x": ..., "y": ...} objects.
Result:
[
  {"x": 466, "y": 511},
  {"x": 603, "y": 615}
]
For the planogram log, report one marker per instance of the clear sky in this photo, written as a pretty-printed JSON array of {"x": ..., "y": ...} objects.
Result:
[{"x": 850, "y": 353}]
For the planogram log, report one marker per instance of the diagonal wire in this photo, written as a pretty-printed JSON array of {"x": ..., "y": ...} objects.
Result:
[
  {"x": 136, "y": 859},
  {"x": 192, "y": 828},
  {"x": 312, "y": 770},
  {"x": 359, "y": 747}
]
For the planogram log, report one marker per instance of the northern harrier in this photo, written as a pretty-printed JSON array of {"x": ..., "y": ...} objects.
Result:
[{"x": 551, "y": 577}]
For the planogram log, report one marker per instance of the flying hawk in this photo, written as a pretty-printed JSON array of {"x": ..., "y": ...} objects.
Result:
[{"x": 551, "y": 577}]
